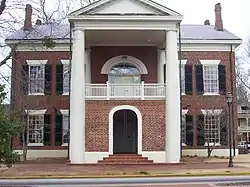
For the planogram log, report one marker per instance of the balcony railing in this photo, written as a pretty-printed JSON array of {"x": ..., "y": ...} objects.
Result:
[{"x": 125, "y": 91}]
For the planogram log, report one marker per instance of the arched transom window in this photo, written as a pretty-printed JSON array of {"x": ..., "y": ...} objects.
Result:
[{"x": 124, "y": 73}]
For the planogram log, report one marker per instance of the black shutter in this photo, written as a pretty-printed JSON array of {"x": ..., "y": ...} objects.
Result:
[
  {"x": 222, "y": 78},
  {"x": 199, "y": 79},
  {"x": 189, "y": 130},
  {"x": 188, "y": 79},
  {"x": 25, "y": 78},
  {"x": 48, "y": 80},
  {"x": 164, "y": 73},
  {"x": 224, "y": 128},
  {"x": 58, "y": 130},
  {"x": 200, "y": 130},
  {"x": 59, "y": 79},
  {"x": 47, "y": 130}
]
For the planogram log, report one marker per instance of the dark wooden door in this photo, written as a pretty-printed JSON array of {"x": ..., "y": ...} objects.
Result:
[{"x": 125, "y": 132}]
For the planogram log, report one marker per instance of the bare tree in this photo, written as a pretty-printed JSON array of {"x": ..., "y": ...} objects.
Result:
[{"x": 212, "y": 129}]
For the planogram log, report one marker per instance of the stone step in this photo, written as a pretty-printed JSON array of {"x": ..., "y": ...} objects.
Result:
[
  {"x": 128, "y": 162},
  {"x": 125, "y": 159}
]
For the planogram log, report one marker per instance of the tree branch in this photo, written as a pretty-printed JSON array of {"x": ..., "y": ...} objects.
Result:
[{"x": 2, "y": 6}]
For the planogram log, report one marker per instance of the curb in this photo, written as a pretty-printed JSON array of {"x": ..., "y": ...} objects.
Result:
[{"x": 123, "y": 176}]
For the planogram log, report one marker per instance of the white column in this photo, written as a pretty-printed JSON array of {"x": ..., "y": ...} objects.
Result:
[
  {"x": 77, "y": 100},
  {"x": 172, "y": 112},
  {"x": 160, "y": 63},
  {"x": 88, "y": 66}
]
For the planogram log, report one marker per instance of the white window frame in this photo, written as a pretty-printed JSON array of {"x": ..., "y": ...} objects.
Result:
[
  {"x": 64, "y": 113},
  {"x": 35, "y": 113},
  {"x": 213, "y": 63},
  {"x": 212, "y": 112},
  {"x": 183, "y": 125},
  {"x": 41, "y": 63},
  {"x": 65, "y": 63}
]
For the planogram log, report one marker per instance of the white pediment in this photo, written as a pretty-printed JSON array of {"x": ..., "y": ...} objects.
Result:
[{"x": 112, "y": 7}]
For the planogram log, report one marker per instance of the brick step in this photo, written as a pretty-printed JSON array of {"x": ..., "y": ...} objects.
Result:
[
  {"x": 125, "y": 159},
  {"x": 125, "y": 162}
]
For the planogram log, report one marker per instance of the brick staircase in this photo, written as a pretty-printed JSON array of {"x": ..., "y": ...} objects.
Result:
[{"x": 125, "y": 159}]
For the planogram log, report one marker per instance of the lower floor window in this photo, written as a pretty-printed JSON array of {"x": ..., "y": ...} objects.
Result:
[
  {"x": 212, "y": 128},
  {"x": 36, "y": 128},
  {"x": 183, "y": 129},
  {"x": 65, "y": 129}
]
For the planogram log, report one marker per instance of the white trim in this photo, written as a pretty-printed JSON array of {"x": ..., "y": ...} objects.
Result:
[
  {"x": 35, "y": 112},
  {"x": 65, "y": 62},
  {"x": 119, "y": 59},
  {"x": 36, "y": 62},
  {"x": 36, "y": 93},
  {"x": 98, "y": 5},
  {"x": 65, "y": 47},
  {"x": 65, "y": 144},
  {"x": 236, "y": 42},
  {"x": 183, "y": 62},
  {"x": 212, "y": 144},
  {"x": 184, "y": 111},
  {"x": 211, "y": 111},
  {"x": 64, "y": 111},
  {"x": 139, "y": 124},
  {"x": 210, "y": 62},
  {"x": 35, "y": 144}
]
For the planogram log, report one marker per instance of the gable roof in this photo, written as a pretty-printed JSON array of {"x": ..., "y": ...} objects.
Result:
[
  {"x": 188, "y": 32},
  {"x": 93, "y": 8}
]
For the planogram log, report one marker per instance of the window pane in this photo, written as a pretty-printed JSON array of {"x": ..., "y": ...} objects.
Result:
[
  {"x": 65, "y": 138},
  {"x": 36, "y": 76},
  {"x": 36, "y": 123},
  {"x": 212, "y": 128},
  {"x": 211, "y": 79},
  {"x": 66, "y": 78}
]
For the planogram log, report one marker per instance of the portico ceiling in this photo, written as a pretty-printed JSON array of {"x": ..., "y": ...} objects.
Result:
[{"x": 125, "y": 37}]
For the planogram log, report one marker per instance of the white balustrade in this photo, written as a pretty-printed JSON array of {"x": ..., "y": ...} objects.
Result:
[{"x": 125, "y": 91}]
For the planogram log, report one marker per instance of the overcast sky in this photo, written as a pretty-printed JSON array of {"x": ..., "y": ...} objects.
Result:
[{"x": 235, "y": 13}]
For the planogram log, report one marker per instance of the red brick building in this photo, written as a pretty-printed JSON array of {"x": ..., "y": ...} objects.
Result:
[{"x": 133, "y": 89}]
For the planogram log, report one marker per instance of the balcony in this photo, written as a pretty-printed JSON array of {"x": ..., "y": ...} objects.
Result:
[{"x": 141, "y": 91}]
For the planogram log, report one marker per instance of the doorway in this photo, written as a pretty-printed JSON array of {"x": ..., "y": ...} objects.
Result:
[{"x": 125, "y": 132}]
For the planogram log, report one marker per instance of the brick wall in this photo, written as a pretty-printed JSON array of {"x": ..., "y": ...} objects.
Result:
[{"x": 99, "y": 56}]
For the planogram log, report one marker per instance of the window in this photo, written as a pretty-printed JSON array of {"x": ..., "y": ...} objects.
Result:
[
  {"x": 36, "y": 129},
  {"x": 183, "y": 129},
  {"x": 210, "y": 78},
  {"x": 36, "y": 79},
  {"x": 65, "y": 133},
  {"x": 182, "y": 78},
  {"x": 66, "y": 78},
  {"x": 212, "y": 128}
]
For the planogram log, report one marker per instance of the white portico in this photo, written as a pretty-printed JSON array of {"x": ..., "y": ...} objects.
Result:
[{"x": 125, "y": 23}]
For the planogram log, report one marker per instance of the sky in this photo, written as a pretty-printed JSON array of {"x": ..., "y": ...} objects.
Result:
[{"x": 235, "y": 13}]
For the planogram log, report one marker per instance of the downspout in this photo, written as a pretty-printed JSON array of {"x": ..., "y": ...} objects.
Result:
[
  {"x": 179, "y": 55},
  {"x": 70, "y": 61},
  {"x": 232, "y": 91}
]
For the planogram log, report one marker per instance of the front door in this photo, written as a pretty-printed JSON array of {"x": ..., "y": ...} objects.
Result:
[{"x": 125, "y": 132}]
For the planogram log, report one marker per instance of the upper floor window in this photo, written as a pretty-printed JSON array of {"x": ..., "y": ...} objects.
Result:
[
  {"x": 37, "y": 77},
  {"x": 124, "y": 73},
  {"x": 210, "y": 77},
  {"x": 63, "y": 77}
]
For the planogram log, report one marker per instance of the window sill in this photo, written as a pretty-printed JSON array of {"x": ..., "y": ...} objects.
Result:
[
  {"x": 183, "y": 94},
  {"x": 36, "y": 94},
  {"x": 183, "y": 144},
  {"x": 212, "y": 144},
  {"x": 65, "y": 144},
  {"x": 210, "y": 94},
  {"x": 65, "y": 94},
  {"x": 36, "y": 144}
]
